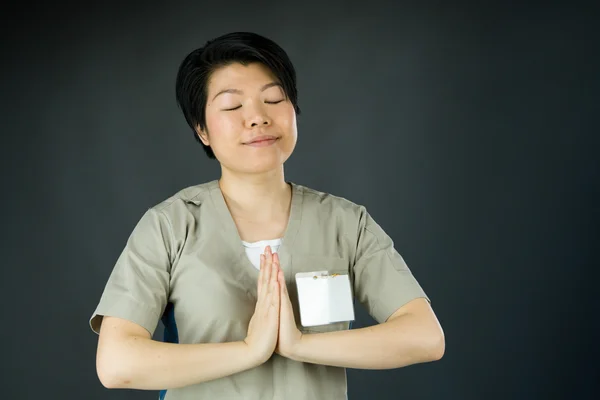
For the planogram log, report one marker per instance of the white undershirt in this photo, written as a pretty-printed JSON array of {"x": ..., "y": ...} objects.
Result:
[{"x": 255, "y": 249}]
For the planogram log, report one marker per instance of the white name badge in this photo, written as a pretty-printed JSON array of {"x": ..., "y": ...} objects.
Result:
[{"x": 324, "y": 298}]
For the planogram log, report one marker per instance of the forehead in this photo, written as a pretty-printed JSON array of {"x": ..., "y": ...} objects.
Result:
[{"x": 238, "y": 76}]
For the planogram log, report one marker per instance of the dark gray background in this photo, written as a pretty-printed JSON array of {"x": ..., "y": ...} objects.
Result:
[{"x": 468, "y": 132}]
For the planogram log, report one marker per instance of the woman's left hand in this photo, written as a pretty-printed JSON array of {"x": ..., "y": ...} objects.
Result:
[{"x": 289, "y": 335}]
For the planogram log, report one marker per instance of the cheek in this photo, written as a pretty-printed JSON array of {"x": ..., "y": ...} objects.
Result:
[
  {"x": 287, "y": 119},
  {"x": 220, "y": 127}
]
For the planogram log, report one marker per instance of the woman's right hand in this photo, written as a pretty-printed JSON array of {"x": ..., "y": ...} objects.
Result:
[{"x": 263, "y": 328}]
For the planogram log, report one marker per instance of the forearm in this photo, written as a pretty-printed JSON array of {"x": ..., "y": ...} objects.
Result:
[
  {"x": 400, "y": 342},
  {"x": 141, "y": 363}
]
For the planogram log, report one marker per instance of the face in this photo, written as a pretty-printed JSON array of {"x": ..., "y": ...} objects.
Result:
[{"x": 251, "y": 126}]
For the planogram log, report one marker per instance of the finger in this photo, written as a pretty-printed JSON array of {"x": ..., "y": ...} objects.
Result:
[
  {"x": 282, "y": 285},
  {"x": 268, "y": 265},
  {"x": 272, "y": 298},
  {"x": 267, "y": 268},
  {"x": 283, "y": 288},
  {"x": 261, "y": 274},
  {"x": 275, "y": 300},
  {"x": 272, "y": 308},
  {"x": 276, "y": 268},
  {"x": 277, "y": 271}
]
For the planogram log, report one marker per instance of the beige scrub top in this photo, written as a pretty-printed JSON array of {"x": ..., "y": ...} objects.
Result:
[{"x": 185, "y": 263}]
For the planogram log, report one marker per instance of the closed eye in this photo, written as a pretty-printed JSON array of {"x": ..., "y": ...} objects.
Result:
[{"x": 268, "y": 102}]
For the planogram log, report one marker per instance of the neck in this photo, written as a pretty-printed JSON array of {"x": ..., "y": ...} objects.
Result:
[{"x": 256, "y": 196}]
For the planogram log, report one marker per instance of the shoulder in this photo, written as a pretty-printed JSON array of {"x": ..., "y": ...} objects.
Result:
[
  {"x": 191, "y": 195},
  {"x": 172, "y": 216},
  {"x": 327, "y": 205}
]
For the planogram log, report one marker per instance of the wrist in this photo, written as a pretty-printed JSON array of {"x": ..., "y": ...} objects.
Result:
[
  {"x": 253, "y": 358},
  {"x": 295, "y": 352}
]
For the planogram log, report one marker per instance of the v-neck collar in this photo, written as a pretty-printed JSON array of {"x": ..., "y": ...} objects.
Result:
[{"x": 232, "y": 236}]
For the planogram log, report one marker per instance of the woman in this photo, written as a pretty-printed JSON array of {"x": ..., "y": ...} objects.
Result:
[{"x": 215, "y": 261}]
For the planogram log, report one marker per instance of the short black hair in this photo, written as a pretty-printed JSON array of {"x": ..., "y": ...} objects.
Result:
[{"x": 191, "y": 87}]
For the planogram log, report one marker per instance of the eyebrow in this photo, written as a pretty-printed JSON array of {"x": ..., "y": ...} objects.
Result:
[{"x": 237, "y": 91}]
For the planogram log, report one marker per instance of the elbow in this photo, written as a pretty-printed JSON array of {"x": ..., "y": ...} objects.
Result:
[
  {"x": 111, "y": 373},
  {"x": 437, "y": 346},
  {"x": 110, "y": 378},
  {"x": 106, "y": 379}
]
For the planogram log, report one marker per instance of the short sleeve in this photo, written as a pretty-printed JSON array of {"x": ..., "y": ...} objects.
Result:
[
  {"x": 382, "y": 280},
  {"x": 137, "y": 288}
]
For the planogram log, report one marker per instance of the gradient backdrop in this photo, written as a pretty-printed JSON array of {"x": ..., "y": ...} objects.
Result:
[{"x": 470, "y": 133}]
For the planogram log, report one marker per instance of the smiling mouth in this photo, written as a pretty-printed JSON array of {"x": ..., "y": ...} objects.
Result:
[{"x": 263, "y": 142}]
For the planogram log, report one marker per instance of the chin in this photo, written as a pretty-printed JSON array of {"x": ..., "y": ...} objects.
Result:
[
  {"x": 256, "y": 161},
  {"x": 260, "y": 165}
]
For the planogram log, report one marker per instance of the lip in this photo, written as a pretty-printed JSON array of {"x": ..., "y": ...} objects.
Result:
[{"x": 263, "y": 140}]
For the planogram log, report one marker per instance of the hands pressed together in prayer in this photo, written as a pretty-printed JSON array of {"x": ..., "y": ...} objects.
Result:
[
  {"x": 411, "y": 335},
  {"x": 272, "y": 328}
]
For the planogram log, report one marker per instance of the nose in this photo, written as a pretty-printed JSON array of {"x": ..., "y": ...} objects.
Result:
[{"x": 257, "y": 117}]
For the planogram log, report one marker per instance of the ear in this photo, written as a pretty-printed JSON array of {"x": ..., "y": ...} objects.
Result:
[{"x": 203, "y": 135}]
